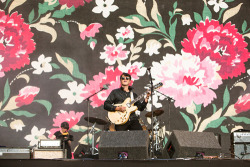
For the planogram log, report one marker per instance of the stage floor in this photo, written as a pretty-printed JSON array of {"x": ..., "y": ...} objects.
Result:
[{"x": 122, "y": 163}]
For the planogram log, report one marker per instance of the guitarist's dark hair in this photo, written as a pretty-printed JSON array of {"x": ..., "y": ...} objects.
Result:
[
  {"x": 126, "y": 75},
  {"x": 65, "y": 125}
]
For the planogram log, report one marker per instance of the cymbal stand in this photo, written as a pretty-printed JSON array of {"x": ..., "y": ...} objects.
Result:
[
  {"x": 156, "y": 133},
  {"x": 87, "y": 99},
  {"x": 92, "y": 131}
]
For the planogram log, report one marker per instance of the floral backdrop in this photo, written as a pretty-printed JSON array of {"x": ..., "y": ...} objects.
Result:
[{"x": 55, "y": 54}]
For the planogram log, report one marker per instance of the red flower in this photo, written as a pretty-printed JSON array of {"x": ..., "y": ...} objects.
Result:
[
  {"x": 74, "y": 3},
  {"x": 243, "y": 103},
  {"x": 91, "y": 30},
  {"x": 222, "y": 43},
  {"x": 26, "y": 95},
  {"x": 16, "y": 41}
]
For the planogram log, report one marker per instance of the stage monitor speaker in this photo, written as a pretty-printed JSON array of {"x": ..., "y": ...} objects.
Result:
[
  {"x": 133, "y": 143},
  {"x": 80, "y": 151},
  {"x": 182, "y": 144}
]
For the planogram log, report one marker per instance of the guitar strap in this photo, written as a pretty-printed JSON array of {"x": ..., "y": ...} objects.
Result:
[{"x": 137, "y": 112}]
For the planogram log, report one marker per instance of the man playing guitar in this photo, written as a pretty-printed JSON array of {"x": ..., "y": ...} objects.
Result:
[{"x": 120, "y": 95}]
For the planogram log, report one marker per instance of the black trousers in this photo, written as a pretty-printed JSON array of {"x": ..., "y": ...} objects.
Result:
[{"x": 130, "y": 125}]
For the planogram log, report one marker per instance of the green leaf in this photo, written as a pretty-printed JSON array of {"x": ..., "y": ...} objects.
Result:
[
  {"x": 7, "y": 3},
  {"x": 54, "y": 65},
  {"x": 188, "y": 121},
  {"x": 31, "y": 15},
  {"x": 165, "y": 141},
  {"x": 220, "y": 14},
  {"x": 46, "y": 104},
  {"x": 206, "y": 13},
  {"x": 244, "y": 26},
  {"x": 229, "y": 0},
  {"x": 197, "y": 17},
  {"x": 76, "y": 73},
  {"x": 62, "y": 13},
  {"x": 198, "y": 108},
  {"x": 214, "y": 108},
  {"x": 121, "y": 40},
  {"x": 3, "y": 123},
  {"x": 129, "y": 41},
  {"x": 241, "y": 119},
  {"x": 226, "y": 98},
  {"x": 1, "y": 113},
  {"x": 175, "y": 5},
  {"x": 92, "y": 40},
  {"x": 224, "y": 129},
  {"x": 172, "y": 31},
  {"x": 143, "y": 22},
  {"x": 161, "y": 24},
  {"x": 23, "y": 113},
  {"x": 78, "y": 130},
  {"x": 216, "y": 123},
  {"x": 170, "y": 14},
  {"x": 45, "y": 7},
  {"x": 62, "y": 77},
  {"x": 65, "y": 26},
  {"x": 6, "y": 91}
]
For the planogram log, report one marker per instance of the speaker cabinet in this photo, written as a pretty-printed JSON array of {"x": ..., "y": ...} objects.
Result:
[
  {"x": 240, "y": 141},
  {"x": 134, "y": 143},
  {"x": 14, "y": 153},
  {"x": 49, "y": 153},
  {"x": 183, "y": 144}
]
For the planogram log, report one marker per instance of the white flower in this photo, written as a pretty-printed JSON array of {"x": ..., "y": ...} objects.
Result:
[
  {"x": 50, "y": 2},
  {"x": 73, "y": 94},
  {"x": 186, "y": 19},
  {"x": 42, "y": 65},
  {"x": 104, "y": 7},
  {"x": 217, "y": 4},
  {"x": 35, "y": 136},
  {"x": 152, "y": 47},
  {"x": 125, "y": 32},
  {"x": 17, "y": 124},
  {"x": 1, "y": 60}
]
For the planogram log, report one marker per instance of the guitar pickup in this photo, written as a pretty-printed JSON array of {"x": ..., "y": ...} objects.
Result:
[{"x": 128, "y": 105}]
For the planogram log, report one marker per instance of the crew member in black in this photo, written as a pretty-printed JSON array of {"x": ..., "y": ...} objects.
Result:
[
  {"x": 117, "y": 96},
  {"x": 65, "y": 137}
]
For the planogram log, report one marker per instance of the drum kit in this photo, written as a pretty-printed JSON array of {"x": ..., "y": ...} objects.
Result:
[{"x": 155, "y": 138}]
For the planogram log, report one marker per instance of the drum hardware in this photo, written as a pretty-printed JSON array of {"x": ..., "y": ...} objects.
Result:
[{"x": 92, "y": 131}]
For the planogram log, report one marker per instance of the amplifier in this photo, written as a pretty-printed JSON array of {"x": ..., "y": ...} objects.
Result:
[
  {"x": 14, "y": 153},
  {"x": 240, "y": 137},
  {"x": 49, "y": 153},
  {"x": 240, "y": 147},
  {"x": 49, "y": 144}
]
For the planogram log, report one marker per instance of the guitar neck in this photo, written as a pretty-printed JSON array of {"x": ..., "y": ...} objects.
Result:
[{"x": 138, "y": 98}]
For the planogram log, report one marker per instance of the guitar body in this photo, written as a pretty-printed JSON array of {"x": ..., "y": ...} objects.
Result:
[{"x": 120, "y": 118}]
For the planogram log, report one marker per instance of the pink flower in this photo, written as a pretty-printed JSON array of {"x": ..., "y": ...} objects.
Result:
[
  {"x": 222, "y": 43},
  {"x": 72, "y": 118},
  {"x": 187, "y": 79},
  {"x": 112, "y": 53},
  {"x": 74, "y": 3},
  {"x": 111, "y": 77},
  {"x": 136, "y": 69},
  {"x": 92, "y": 45},
  {"x": 26, "y": 95},
  {"x": 91, "y": 30},
  {"x": 16, "y": 41},
  {"x": 243, "y": 103}
]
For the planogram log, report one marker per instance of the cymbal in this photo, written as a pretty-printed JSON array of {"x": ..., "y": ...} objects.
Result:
[
  {"x": 155, "y": 113},
  {"x": 95, "y": 120}
]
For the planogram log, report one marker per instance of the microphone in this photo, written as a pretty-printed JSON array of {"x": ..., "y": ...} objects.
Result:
[{"x": 105, "y": 87}]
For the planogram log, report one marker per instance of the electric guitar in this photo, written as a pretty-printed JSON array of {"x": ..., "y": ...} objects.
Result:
[{"x": 118, "y": 117}]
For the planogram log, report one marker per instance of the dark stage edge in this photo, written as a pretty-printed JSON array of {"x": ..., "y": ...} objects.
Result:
[{"x": 122, "y": 163}]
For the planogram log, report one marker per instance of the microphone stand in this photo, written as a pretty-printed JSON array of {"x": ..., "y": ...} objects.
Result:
[
  {"x": 87, "y": 99},
  {"x": 152, "y": 116}
]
